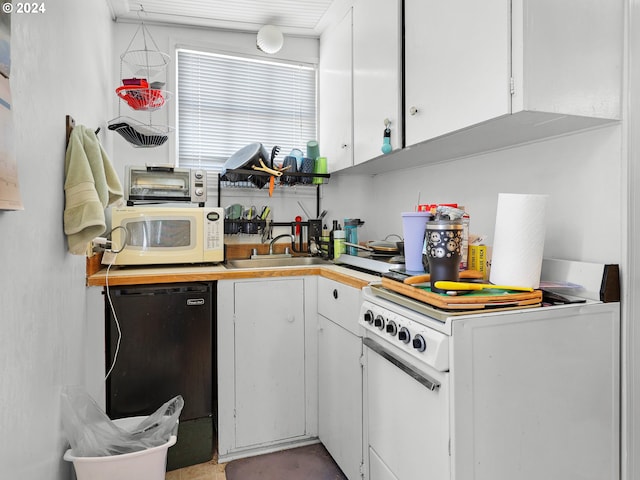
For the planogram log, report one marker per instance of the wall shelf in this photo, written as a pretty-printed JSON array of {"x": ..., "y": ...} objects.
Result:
[{"x": 306, "y": 181}]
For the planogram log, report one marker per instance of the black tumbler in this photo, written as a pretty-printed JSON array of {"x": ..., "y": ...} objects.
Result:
[{"x": 443, "y": 244}]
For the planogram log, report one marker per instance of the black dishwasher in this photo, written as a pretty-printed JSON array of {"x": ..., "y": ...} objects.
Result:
[{"x": 165, "y": 349}]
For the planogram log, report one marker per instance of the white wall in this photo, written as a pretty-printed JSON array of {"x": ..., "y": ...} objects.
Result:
[
  {"x": 581, "y": 173},
  {"x": 61, "y": 64},
  {"x": 631, "y": 289}
]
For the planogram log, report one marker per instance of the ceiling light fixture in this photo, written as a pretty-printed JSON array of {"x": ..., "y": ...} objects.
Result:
[{"x": 270, "y": 39}]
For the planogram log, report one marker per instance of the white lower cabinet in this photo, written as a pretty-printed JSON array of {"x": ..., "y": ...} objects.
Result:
[
  {"x": 267, "y": 365},
  {"x": 340, "y": 375},
  {"x": 289, "y": 368},
  {"x": 537, "y": 394},
  {"x": 377, "y": 469}
]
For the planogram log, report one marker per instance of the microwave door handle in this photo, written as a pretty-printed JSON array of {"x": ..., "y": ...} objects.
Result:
[{"x": 425, "y": 380}]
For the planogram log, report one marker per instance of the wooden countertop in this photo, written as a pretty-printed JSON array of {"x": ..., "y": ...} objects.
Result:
[{"x": 173, "y": 274}]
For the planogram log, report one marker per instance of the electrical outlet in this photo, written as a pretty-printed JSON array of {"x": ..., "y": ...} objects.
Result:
[{"x": 109, "y": 258}]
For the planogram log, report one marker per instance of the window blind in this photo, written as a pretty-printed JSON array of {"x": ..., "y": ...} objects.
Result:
[{"x": 226, "y": 102}]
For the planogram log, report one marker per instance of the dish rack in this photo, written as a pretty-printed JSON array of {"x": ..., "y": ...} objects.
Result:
[
  {"x": 143, "y": 92},
  {"x": 293, "y": 179},
  {"x": 248, "y": 184}
]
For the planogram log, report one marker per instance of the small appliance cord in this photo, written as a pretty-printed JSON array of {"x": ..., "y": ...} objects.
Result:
[{"x": 113, "y": 310}]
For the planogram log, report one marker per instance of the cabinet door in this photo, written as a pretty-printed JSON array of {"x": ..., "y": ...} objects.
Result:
[
  {"x": 340, "y": 303},
  {"x": 377, "y": 87},
  {"x": 269, "y": 361},
  {"x": 457, "y": 65},
  {"x": 336, "y": 111},
  {"x": 340, "y": 396},
  {"x": 567, "y": 57},
  {"x": 537, "y": 395}
]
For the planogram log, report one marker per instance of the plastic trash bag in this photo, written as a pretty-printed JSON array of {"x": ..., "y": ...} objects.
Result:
[{"x": 91, "y": 433}]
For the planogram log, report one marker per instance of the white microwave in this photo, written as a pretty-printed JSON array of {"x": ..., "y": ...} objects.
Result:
[{"x": 162, "y": 235}]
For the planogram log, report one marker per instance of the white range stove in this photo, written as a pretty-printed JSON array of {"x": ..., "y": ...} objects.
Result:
[{"x": 519, "y": 394}]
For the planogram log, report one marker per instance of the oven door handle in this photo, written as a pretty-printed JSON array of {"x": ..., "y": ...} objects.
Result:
[{"x": 425, "y": 380}]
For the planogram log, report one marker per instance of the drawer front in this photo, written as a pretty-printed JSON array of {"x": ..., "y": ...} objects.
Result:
[{"x": 339, "y": 303}]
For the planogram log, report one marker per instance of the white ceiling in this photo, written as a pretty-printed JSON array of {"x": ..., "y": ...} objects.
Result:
[{"x": 297, "y": 17}]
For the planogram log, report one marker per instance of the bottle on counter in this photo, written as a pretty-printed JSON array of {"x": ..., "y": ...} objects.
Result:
[
  {"x": 331, "y": 233},
  {"x": 338, "y": 242},
  {"x": 351, "y": 233}
]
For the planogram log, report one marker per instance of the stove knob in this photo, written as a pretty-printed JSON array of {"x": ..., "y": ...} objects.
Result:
[
  {"x": 403, "y": 335},
  {"x": 368, "y": 316},
  {"x": 419, "y": 343},
  {"x": 379, "y": 322},
  {"x": 392, "y": 329}
]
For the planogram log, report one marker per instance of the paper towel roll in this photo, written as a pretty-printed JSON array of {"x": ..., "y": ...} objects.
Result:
[{"x": 518, "y": 241}]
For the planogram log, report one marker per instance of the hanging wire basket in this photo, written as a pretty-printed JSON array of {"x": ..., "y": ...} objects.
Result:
[
  {"x": 142, "y": 92},
  {"x": 138, "y": 134},
  {"x": 143, "y": 56},
  {"x": 146, "y": 62},
  {"x": 143, "y": 98}
]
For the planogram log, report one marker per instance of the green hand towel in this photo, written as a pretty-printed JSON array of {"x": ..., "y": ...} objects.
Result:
[{"x": 91, "y": 184}]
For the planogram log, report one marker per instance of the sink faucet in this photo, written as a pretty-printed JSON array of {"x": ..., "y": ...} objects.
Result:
[{"x": 292, "y": 237}]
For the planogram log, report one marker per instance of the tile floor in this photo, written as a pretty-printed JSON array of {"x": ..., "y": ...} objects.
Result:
[{"x": 211, "y": 470}]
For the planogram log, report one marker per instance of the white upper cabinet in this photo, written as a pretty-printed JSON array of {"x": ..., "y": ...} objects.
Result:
[
  {"x": 457, "y": 65},
  {"x": 335, "y": 92},
  {"x": 377, "y": 83},
  {"x": 537, "y": 62},
  {"x": 360, "y": 83},
  {"x": 568, "y": 57},
  {"x": 478, "y": 76}
]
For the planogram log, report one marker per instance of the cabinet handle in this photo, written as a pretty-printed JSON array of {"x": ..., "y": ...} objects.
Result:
[
  {"x": 335, "y": 293},
  {"x": 344, "y": 145},
  {"x": 413, "y": 111},
  {"x": 291, "y": 318}
]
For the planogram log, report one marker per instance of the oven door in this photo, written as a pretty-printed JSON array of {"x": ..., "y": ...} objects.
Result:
[
  {"x": 407, "y": 416},
  {"x": 166, "y": 184}
]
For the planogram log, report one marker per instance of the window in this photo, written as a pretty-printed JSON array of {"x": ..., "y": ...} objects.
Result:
[{"x": 226, "y": 102}]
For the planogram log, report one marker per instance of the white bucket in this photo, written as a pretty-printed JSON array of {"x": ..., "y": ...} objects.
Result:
[{"x": 149, "y": 464}]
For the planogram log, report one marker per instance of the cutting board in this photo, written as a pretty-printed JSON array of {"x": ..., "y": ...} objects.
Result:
[{"x": 475, "y": 300}]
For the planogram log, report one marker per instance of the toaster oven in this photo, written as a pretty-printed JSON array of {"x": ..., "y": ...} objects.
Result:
[{"x": 165, "y": 183}]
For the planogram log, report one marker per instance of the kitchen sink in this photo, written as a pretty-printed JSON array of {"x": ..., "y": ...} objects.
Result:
[{"x": 266, "y": 262}]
